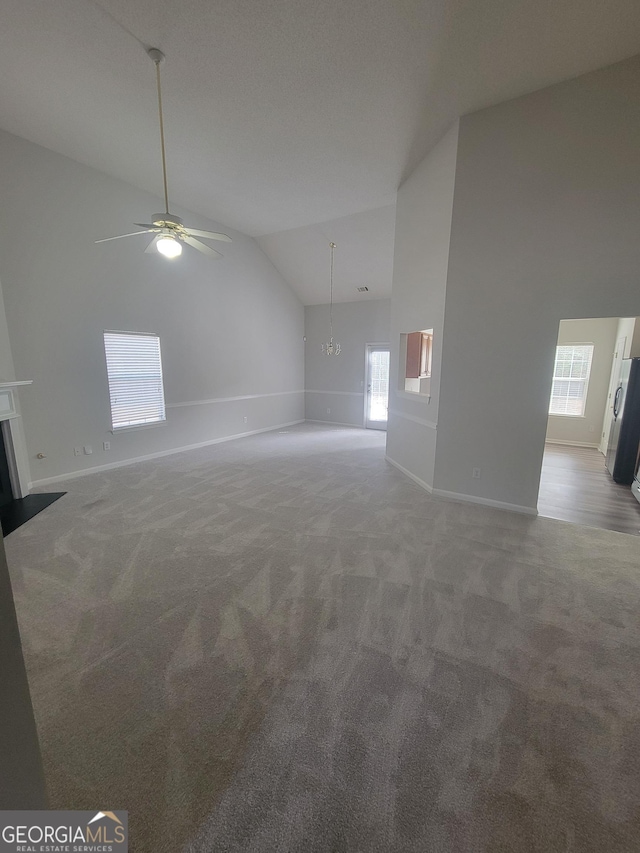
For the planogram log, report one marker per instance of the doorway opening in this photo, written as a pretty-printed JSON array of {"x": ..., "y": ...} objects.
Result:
[
  {"x": 577, "y": 481},
  {"x": 377, "y": 396}
]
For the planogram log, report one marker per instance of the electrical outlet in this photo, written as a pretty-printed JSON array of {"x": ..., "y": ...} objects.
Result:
[
  {"x": 244, "y": 420},
  {"x": 328, "y": 411},
  {"x": 88, "y": 450},
  {"x": 77, "y": 451},
  {"x": 476, "y": 474},
  {"x": 106, "y": 445},
  {"x": 592, "y": 428}
]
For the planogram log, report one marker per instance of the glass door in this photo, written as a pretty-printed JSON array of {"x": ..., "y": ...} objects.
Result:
[{"x": 377, "y": 397}]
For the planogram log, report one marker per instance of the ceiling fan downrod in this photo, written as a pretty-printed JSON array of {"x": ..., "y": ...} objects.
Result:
[
  {"x": 158, "y": 58},
  {"x": 169, "y": 231}
]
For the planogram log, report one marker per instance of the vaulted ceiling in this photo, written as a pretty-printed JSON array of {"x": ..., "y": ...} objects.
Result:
[{"x": 292, "y": 120}]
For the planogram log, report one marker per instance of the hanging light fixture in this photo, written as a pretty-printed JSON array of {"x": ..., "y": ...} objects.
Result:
[{"x": 331, "y": 348}]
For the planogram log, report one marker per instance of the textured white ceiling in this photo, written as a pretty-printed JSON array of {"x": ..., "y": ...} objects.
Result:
[{"x": 282, "y": 114}]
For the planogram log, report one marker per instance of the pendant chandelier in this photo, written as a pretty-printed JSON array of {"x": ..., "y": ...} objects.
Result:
[{"x": 331, "y": 348}]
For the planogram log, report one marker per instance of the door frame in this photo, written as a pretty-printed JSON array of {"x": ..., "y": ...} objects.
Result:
[
  {"x": 616, "y": 366},
  {"x": 369, "y": 347}
]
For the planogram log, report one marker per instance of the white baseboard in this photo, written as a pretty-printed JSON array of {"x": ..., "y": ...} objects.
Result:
[
  {"x": 457, "y": 496},
  {"x": 571, "y": 443},
  {"x": 474, "y": 499},
  {"x": 72, "y": 475},
  {"x": 411, "y": 476}
]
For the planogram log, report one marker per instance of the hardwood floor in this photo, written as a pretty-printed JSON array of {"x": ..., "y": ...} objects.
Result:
[{"x": 576, "y": 486}]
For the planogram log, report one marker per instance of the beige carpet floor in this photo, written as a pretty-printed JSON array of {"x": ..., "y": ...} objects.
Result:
[{"x": 282, "y": 644}]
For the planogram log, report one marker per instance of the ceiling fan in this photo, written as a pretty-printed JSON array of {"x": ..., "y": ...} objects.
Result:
[{"x": 169, "y": 229}]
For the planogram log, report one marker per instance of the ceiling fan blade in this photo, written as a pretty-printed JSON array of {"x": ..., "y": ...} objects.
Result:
[
  {"x": 212, "y": 235},
  {"x": 152, "y": 245},
  {"x": 146, "y": 225},
  {"x": 201, "y": 247},
  {"x": 121, "y": 236}
]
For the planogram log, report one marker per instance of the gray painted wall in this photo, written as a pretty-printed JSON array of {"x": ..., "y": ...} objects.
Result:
[
  {"x": 421, "y": 256},
  {"x": 337, "y": 382},
  {"x": 228, "y": 328},
  {"x": 545, "y": 226},
  {"x": 587, "y": 430}
]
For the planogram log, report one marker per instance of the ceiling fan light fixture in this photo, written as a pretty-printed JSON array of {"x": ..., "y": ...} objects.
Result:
[{"x": 169, "y": 246}]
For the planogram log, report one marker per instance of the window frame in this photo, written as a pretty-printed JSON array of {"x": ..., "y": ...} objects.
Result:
[
  {"x": 570, "y": 379},
  {"x": 159, "y": 401}
]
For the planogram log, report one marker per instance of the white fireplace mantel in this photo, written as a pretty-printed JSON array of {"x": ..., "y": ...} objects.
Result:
[
  {"x": 8, "y": 408},
  {"x": 13, "y": 437}
]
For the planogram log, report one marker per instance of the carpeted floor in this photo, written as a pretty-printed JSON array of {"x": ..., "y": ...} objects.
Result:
[{"x": 282, "y": 644}]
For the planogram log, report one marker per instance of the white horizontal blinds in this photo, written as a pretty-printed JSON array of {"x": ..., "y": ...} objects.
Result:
[
  {"x": 134, "y": 368},
  {"x": 570, "y": 379}
]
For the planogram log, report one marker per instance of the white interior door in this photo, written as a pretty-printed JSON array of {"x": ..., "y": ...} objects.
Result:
[{"x": 377, "y": 396}]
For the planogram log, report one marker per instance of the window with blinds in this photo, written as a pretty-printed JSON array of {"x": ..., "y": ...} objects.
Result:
[
  {"x": 134, "y": 368},
  {"x": 571, "y": 379}
]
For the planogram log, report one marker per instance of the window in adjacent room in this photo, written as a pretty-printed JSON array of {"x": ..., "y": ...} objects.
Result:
[
  {"x": 134, "y": 368},
  {"x": 571, "y": 379}
]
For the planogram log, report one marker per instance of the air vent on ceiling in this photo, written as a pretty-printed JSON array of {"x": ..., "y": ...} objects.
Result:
[{"x": 363, "y": 289}]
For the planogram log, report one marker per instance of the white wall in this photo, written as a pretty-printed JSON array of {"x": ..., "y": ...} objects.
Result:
[
  {"x": 7, "y": 373},
  {"x": 626, "y": 330},
  {"x": 629, "y": 328},
  {"x": 228, "y": 328},
  {"x": 586, "y": 430},
  {"x": 545, "y": 226},
  {"x": 337, "y": 382},
  {"x": 421, "y": 253}
]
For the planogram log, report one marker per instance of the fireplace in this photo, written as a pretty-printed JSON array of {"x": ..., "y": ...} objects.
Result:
[{"x": 14, "y": 473}]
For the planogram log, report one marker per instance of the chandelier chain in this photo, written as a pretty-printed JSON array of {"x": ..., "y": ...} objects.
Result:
[
  {"x": 330, "y": 348},
  {"x": 332, "y": 245}
]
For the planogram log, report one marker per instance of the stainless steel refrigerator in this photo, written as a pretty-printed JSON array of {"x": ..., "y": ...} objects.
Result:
[{"x": 624, "y": 436}]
